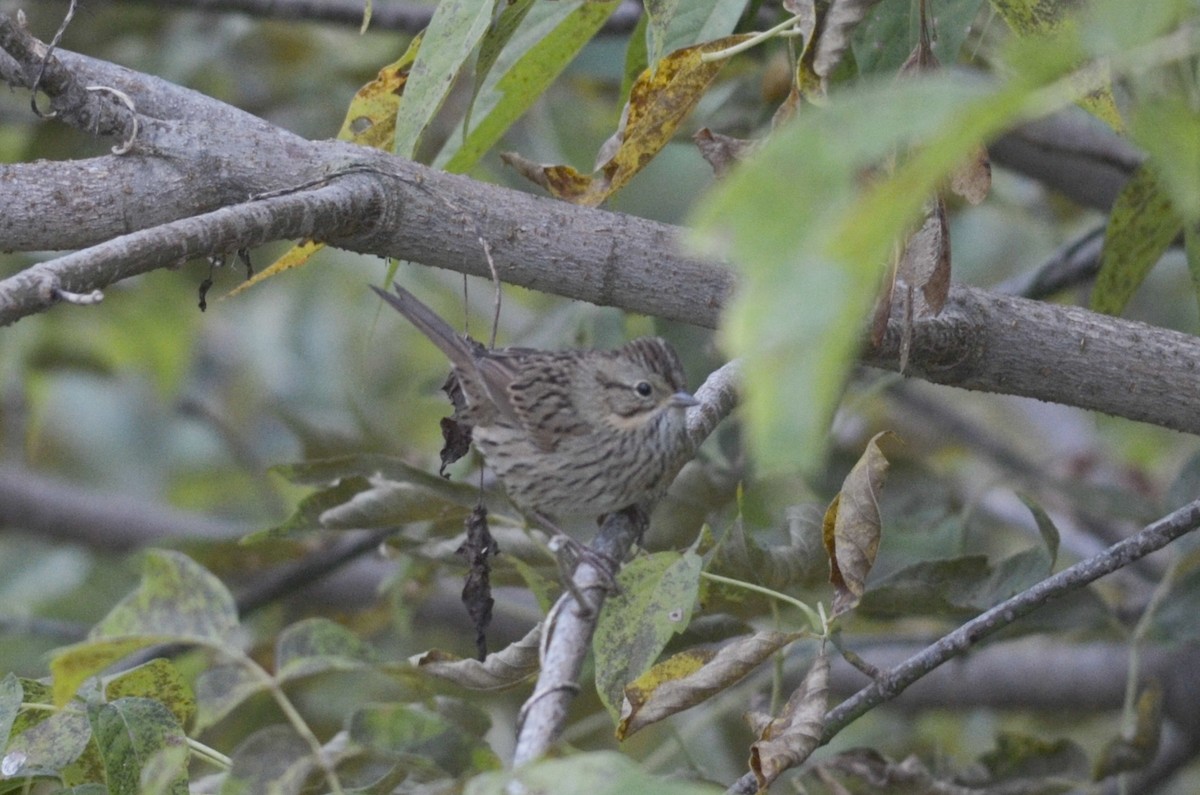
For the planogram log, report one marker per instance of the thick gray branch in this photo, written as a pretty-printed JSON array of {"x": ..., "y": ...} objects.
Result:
[
  {"x": 198, "y": 155},
  {"x": 1063, "y": 354}
]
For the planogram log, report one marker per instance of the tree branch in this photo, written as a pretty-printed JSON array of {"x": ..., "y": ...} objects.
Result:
[
  {"x": 399, "y": 16},
  {"x": 1063, "y": 354},
  {"x": 1151, "y": 538},
  {"x": 982, "y": 341}
]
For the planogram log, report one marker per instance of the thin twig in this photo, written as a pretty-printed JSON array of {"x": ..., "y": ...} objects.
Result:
[{"x": 1150, "y": 539}]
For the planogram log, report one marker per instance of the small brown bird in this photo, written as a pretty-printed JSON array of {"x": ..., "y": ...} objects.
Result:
[{"x": 572, "y": 432}]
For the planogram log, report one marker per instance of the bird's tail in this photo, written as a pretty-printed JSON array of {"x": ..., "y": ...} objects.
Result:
[{"x": 431, "y": 325}]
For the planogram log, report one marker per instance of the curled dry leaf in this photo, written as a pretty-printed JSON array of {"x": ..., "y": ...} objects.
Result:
[
  {"x": 789, "y": 739},
  {"x": 972, "y": 179},
  {"x": 852, "y": 527},
  {"x": 504, "y": 669},
  {"x": 479, "y": 548},
  {"x": 925, "y": 264},
  {"x": 723, "y": 151},
  {"x": 691, "y": 677}
]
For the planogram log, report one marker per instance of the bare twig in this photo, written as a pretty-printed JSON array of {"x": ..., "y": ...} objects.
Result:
[{"x": 1153, "y": 537}]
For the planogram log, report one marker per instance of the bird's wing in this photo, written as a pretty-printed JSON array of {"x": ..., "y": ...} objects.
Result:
[{"x": 540, "y": 394}]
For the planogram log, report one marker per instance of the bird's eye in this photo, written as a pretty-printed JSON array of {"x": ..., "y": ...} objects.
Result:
[{"x": 643, "y": 388}]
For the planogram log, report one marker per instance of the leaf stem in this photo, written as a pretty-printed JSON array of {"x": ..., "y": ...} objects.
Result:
[
  {"x": 296, "y": 720},
  {"x": 756, "y": 39},
  {"x": 814, "y": 619}
]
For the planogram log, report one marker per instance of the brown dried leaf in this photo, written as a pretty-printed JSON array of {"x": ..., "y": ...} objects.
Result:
[
  {"x": 479, "y": 548},
  {"x": 852, "y": 527},
  {"x": 500, "y": 671},
  {"x": 691, "y": 677},
  {"x": 789, "y": 739},
  {"x": 972, "y": 179},
  {"x": 562, "y": 182},
  {"x": 925, "y": 265},
  {"x": 722, "y": 151},
  {"x": 456, "y": 431}
]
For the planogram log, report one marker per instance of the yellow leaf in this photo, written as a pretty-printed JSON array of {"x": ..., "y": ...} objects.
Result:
[
  {"x": 371, "y": 118},
  {"x": 293, "y": 258},
  {"x": 658, "y": 102}
]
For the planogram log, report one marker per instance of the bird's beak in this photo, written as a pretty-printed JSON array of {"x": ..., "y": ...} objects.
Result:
[{"x": 682, "y": 400}]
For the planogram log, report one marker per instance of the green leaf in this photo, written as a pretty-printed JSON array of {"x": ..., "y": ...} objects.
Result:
[
  {"x": 72, "y": 665},
  {"x": 128, "y": 732},
  {"x": 273, "y": 761},
  {"x": 661, "y": 14},
  {"x": 399, "y": 731},
  {"x": 368, "y": 491},
  {"x": 11, "y": 695},
  {"x": 453, "y": 32},
  {"x": 657, "y": 595},
  {"x": 547, "y": 40},
  {"x": 1140, "y": 228},
  {"x": 808, "y": 277},
  {"x": 1169, "y": 129},
  {"x": 45, "y": 748},
  {"x": 597, "y": 773},
  {"x": 697, "y": 21},
  {"x": 1019, "y": 757},
  {"x": 1191, "y": 248},
  {"x": 221, "y": 689},
  {"x": 176, "y": 599},
  {"x": 498, "y": 35},
  {"x": 316, "y": 645},
  {"x": 158, "y": 679},
  {"x": 886, "y": 37},
  {"x": 949, "y": 588},
  {"x": 165, "y": 772}
]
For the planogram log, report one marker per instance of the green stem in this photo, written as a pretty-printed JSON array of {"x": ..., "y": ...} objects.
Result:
[
  {"x": 813, "y": 617},
  {"x": 756, "y": 39},
  {"x": 297, "y": 721}
]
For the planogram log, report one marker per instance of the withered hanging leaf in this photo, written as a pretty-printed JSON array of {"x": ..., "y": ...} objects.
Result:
[
  {"x": 789, "y": 739},
  {"x": 852, "y": 527},
  {"x": 456, "y": 432},
  {"x": 479, "y": 548},
  {"x": 691, "y": 677},
  {"x": 658, "y": 102},
  {"x": 925, "y": 265},
  {"x": 972, "y": 179},
  {"x": 500, "y": 671},
  {"x": 722, "y": 151}
]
